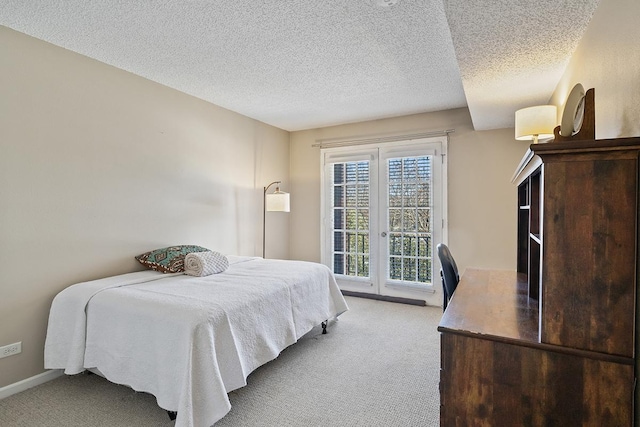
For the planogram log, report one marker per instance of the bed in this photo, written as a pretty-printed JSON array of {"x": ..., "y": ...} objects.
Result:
[{"x": 189, "y": 340}]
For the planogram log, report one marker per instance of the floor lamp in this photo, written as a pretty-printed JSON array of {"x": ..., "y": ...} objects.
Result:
[{"x": 278, "y": 201}]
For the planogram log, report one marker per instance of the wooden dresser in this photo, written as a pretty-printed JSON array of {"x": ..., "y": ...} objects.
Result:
[{"x": 554, "y": 342}]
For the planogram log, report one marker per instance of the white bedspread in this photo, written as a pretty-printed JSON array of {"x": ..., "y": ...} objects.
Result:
[{"x": 189, "y": 340}]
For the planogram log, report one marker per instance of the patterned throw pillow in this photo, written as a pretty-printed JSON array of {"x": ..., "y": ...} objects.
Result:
[{"x": 168, "y": 260}]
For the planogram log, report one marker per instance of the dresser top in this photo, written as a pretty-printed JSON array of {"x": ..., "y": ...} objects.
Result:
[{"x": 492, "y": 304}]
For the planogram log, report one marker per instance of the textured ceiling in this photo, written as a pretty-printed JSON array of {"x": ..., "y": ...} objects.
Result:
[
  {"x": 303, "y": 64},
  {"x": 512, "y": 54}
]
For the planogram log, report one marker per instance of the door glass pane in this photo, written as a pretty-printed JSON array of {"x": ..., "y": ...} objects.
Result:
[
  {"x": 338, "y": 241},
  {"x": 338, "y": 263},
  {"x": 409, "y": 273},
  {"x": 351, "y": 195},
  {"x": 338, "y": 219},
  {"x": 338, "y": 195},
  {"x": 351, "y": 265},
  {"x": 409, "y": 167},
  {"x": 395, "y": 268},
  {"x": 351, "y": 219},
  {"x": 363, "y": 196},
  {"x": 363, "y": 172},
  {"x": 409, "y": 222},
  {"x": 409, "y": 200},
  {"x": 424, "y": 195},
  {"x": 424, "y": 220},
  {"x": 363, "y": 243},
  {"x": 395, "y": 219},
  {"x": 351, "y": 233},
  {"x": 409, "y": 247},
  {"x": 364, "y": 266},
  {"x": 424, "y": 269},
  {"x": 395, "y": 195},
  {"x": 363, "y": 220},
  {"x": 351, "y": 243},
  {"x": 352, "y": 172},
  {"x": 424, "y": 246},
  {"x": 338, "y": 173},
  {"x": 395, "y": 244}
]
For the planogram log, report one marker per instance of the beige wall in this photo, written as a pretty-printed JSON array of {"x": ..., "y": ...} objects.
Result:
[
  {"x": 608, "y": 59},
  {"x": 98, "y": 165},
  {"x": 482, "y": 200}
]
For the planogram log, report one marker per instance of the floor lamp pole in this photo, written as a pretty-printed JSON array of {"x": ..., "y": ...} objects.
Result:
[{"x": 264, "y": 215}]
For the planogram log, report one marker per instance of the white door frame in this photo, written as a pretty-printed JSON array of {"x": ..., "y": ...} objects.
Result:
[{"x": 376, "y": 282}]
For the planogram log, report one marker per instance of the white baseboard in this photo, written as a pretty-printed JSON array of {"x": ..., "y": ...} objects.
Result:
[{"x": 30, "y": 382}]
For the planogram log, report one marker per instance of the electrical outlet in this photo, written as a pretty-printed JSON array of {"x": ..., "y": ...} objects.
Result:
[{"x": 11, "y": 349}]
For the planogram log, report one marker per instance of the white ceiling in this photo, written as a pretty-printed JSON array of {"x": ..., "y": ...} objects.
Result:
[{"x": 301, "y": 64}]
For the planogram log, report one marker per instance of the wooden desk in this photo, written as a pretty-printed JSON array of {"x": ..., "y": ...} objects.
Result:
[{"x": 496, "y": 372}]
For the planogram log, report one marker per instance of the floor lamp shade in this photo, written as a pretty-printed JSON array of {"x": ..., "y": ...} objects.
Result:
[{"x": 277, "y": 202}]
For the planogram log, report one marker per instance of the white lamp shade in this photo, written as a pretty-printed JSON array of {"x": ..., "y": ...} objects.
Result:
[
  {"x": 536, "y": 121},
  {"x": 277, "y": 202}
]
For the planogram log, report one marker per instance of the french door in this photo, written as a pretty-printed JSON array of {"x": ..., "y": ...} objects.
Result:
[{"x": 384, "y": 211}]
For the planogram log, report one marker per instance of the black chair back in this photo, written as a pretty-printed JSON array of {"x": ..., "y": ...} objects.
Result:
[{"x": 448, "y": 273}]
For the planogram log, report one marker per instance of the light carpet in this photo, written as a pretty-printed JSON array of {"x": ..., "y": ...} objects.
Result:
[{"x": 378, "y": 366}]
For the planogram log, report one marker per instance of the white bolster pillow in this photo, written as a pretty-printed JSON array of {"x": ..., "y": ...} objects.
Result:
[{"x": 205, "y": 263}]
